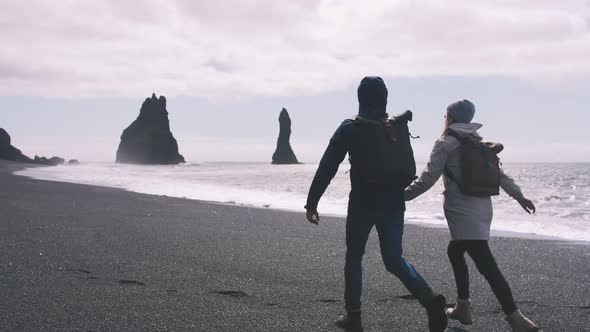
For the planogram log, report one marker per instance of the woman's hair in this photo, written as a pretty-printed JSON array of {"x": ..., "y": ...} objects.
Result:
[{"x": 448, "y": 120}]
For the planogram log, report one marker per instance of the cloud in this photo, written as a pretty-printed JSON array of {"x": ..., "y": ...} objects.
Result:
[
  {"x": 221, "y": 66},
  {"x": 279, "y": 48}
]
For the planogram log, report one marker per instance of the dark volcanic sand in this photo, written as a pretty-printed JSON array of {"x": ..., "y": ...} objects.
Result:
[{"x": 76, "y": 257}]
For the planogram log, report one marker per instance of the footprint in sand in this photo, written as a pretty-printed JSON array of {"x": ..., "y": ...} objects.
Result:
[
  {"x": 88, "y": 277},
  {"x": 86, "y": 274},
  {"x": 329, "y": 301},
  {"x": 131, "y": 282},
  {"x": 407, "y": 297},
  {"x": 402, "y": 297},
  {"x": 79, "y": 270},
  {"x": 232, "y": 293}
]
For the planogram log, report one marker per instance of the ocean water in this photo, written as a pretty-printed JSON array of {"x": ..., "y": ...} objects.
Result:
[{"x": 561, "y": 192}]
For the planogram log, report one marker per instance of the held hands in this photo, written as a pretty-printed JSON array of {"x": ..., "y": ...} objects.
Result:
[
  {"x": 312, "y": 216},
  {"x": 527, "y": 205}
]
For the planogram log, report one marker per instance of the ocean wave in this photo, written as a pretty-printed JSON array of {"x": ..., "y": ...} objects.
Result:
[{"x": 562, "y": 210}]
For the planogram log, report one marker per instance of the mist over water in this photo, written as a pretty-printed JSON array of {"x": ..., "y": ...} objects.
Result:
[{"x": 561, "y": 192}]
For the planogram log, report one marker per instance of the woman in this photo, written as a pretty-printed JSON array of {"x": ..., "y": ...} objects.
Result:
[{"x": 469, "y": 217}]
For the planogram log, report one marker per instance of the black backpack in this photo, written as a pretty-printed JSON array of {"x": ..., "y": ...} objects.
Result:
[
  {"x": 480, "y": 167},
  {"x": 381, "y": 153}
]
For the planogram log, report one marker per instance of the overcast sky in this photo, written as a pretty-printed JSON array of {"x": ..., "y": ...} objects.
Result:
[{"x": 73, "y": 74}]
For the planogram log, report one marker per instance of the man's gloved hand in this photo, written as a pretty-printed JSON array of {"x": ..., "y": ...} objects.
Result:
[{"x": 312, "y": 216}]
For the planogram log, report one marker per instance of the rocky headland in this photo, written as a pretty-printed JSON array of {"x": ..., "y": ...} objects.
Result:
[{"x": 11, "y": 153}]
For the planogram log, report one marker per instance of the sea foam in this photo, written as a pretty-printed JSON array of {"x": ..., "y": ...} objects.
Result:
[{"x": 561, "y": 192}]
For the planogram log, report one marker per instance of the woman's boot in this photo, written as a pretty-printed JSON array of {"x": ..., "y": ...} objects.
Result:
[
  {"x": 519, "y": 323},
  {"x": 461, "y": 312}
]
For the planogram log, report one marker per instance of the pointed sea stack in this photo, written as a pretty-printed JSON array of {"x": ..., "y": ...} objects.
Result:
[
  {"x": 148, "y": 139},
  {"x": 284, "y": 154}
]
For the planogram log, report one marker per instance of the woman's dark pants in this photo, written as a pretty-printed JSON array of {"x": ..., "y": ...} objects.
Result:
[{"x": 479, "y": 251}]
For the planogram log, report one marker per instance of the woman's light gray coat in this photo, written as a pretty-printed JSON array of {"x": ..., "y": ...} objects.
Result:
[{"x": 468, "y": 217}]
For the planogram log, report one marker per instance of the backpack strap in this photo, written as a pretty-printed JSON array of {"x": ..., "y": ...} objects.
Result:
[
  {"x": 451, "y": 176},
  {"x": 446, "y": 171},
  {"x": 360, "y": 120}
]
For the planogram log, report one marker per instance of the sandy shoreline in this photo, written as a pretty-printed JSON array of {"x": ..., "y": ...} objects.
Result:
[
  {"x": 32, "y": 171},
  {"x": 77, "y": 257}
]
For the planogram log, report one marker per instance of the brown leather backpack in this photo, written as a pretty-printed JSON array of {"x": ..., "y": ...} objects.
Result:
[{"x": 480, "y": 167}]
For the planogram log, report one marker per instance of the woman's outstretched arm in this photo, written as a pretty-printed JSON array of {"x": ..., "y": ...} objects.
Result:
[
  {"x": 509, "y": 186},
  {"x": 433, "y": 171},
  {"x": 513, "y": 190}
]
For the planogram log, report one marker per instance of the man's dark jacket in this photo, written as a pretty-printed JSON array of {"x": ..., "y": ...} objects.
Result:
[{"x": 372, "y": 96}]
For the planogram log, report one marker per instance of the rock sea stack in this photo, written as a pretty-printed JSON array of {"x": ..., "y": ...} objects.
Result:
[
  {"x": 284, "y": 153},
  {"x": 148, "y": 140},
  {"x": 53, "y": 161},
  {"x": 9, "y": 152}
]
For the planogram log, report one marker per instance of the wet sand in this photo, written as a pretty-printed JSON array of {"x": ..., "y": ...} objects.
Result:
[{"x": 75, "y": 257}]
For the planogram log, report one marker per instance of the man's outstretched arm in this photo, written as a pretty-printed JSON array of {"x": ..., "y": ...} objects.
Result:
[{"x": 333, "y": 156}]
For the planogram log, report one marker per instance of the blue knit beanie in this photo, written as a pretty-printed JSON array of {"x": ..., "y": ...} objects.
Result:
[{"x": 461, "y": 111}]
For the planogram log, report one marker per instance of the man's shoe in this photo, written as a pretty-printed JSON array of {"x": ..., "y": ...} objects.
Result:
[
  {"x": 519, "y": 323},
  {"x": 461, "y": 312},
  {"x": 350, "y": 322},
  {"x": 435, "y": 309}
]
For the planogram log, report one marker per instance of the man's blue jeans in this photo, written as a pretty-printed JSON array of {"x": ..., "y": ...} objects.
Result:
[{"x": 390, "y": 227}]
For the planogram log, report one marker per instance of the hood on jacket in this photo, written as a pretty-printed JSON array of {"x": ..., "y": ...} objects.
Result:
[
  {"x": 372, "y": 96},
  {"x": 466, "y": 130}
]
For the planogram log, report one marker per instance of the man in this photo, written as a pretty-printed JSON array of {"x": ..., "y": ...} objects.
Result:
[{"x": 371, "y": 203}]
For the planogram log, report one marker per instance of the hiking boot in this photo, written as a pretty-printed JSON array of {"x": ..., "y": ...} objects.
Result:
[
  {"x": 461, "y": 312},
  {"x": 519, "y": 323},
  {"x": 350, "y": 322},
  {"x": 435, "y": 309}
]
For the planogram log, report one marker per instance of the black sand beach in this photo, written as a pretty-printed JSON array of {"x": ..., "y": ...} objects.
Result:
[{"x": 75, "y": 257}]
